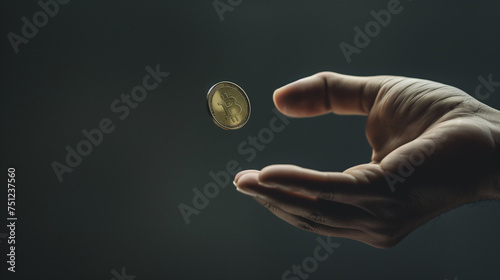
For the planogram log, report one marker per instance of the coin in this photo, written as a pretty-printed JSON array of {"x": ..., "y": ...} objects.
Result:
[{"x": 228, "y": 105}]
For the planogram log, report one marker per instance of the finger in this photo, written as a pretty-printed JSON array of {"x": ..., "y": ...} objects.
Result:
[
  {"x": 333, "y": 186},
  {"x": 250, "y": 171},
  {"x": 319, "y": 211},
  {"x": 328, "y": 92},
  {"x": 314, "y": 227},
  {"x": 300, "y": 212},
  {"x": 365, "y": 235},
  {"x": 237, "y": 177}
]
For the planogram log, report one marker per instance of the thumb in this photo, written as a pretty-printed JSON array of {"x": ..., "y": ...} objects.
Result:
[{"x": 328, "y": 92}]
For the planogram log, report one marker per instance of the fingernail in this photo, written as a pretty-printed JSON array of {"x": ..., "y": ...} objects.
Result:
[
  {"x": 234, "y": 183},
  {"x": 284, "y": 109},
  {"x": 246, "y": 192}
]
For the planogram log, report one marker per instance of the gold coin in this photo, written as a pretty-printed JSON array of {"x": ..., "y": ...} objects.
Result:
[{"x": 228, "y": 105}]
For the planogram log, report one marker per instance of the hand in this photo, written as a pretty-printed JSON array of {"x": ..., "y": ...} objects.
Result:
[{"x": 434, "y": 148}]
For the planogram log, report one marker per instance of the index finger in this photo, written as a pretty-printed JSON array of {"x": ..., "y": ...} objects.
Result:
[{"x": 334, "y": 186}]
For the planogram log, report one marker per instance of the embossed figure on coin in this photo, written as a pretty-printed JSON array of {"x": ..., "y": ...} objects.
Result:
[
  {"x": 228, "y": 105},
  {"x": 232, "y": 108}
]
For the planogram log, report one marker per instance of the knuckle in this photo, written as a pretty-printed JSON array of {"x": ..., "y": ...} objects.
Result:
[
  {"x": 327, "y": 195},
  {"x": 316, "y": 216},
  {"x": 323, "y": 74},
  {"x": 271, "y": 207},
  {"x": 304, "y": 225}
]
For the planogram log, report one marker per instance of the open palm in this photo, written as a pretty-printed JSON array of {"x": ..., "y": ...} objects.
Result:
[{"x": 434, "y": 148}]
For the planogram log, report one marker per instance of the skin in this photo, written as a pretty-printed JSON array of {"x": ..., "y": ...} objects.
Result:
[{"x": 435, "y": 148}]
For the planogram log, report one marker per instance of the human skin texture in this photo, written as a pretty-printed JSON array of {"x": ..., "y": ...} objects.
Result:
[{"x": 435, "y": 148}]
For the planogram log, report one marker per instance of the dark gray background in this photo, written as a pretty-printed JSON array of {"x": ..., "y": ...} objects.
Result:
[{"x": 119, "y": 207}]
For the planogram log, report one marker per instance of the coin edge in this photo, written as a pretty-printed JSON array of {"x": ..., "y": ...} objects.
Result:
[{"x": 210, "y": 93}]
